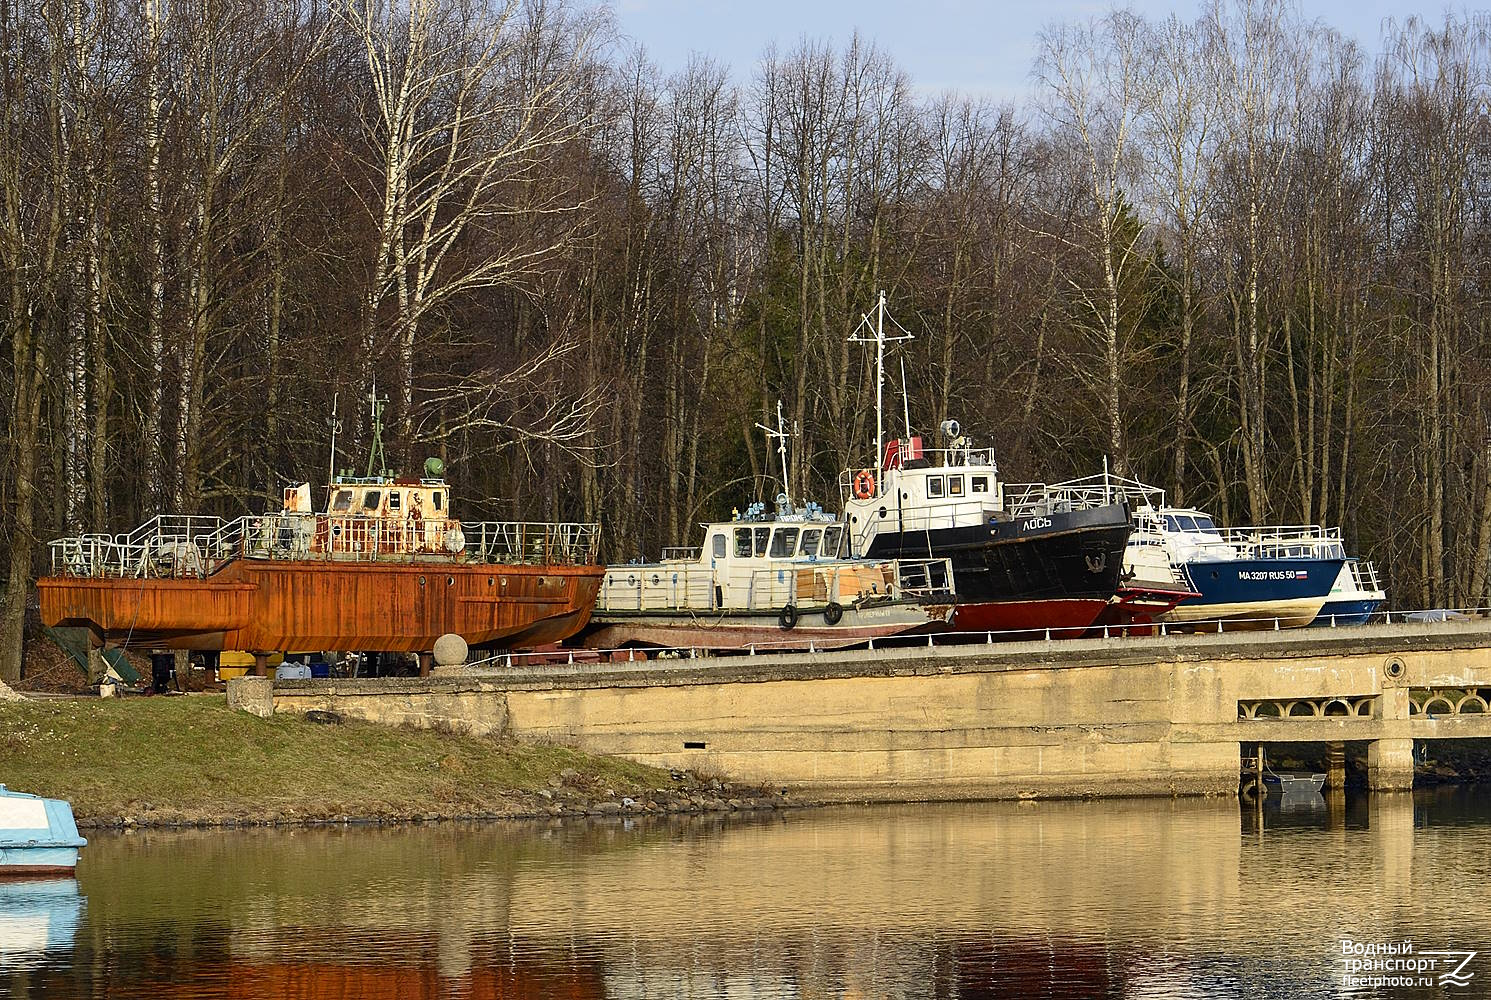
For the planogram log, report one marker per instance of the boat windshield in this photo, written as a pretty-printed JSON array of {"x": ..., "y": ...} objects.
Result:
[
  {"x": 831, "y": 537},
  {"x": 784, "y": 543},
  {"x": 811, "y": 537},
  {"x": 1204, "y": 523}
]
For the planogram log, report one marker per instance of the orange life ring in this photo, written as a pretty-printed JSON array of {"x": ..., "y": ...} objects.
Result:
[{"x": 864, "y": 484}]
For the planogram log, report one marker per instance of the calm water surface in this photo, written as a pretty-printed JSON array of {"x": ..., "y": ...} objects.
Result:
[{"x": 1151, "y": 899}]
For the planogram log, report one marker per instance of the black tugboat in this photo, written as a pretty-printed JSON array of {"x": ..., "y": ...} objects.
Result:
[
  {"x": 1024, "y": 557},
  {"x": 1027, "y": 557}
]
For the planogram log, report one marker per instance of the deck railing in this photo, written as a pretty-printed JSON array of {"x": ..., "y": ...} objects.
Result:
[{"x": 169, "y": 547}]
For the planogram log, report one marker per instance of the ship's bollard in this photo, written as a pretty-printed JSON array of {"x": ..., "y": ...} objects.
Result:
[
  {"x": 1048, "y": 633},
  {"x": 989, "y": 639},
  {"x": 872, "y": 644}
]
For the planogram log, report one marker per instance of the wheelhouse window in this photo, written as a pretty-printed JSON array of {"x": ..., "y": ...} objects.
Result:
[
  {"x": 1204, "y": 523},
  {"x": 978, "y": 484},
  {"x": 812, "y": 541},
  {"x": 371, "y": 499},
  {"x": 832, "y": 536},
  {"x": 954, "y": 486},
  {"x": 934, "y": 486},
  {"x": 395, "y": 500},
  {"x": 438, "y": 497},
  {"x": 719, "y": 545},
  {"x": 742, "y": 543},
  {"x": 342, "y": 503},
  {"x": 762, "y": 535},
  {"x": 783, "y": 543}
]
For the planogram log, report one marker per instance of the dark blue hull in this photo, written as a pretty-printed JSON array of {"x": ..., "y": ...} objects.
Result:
[
  {"x": 1347, "y": 612},
  {"x": 1292, "y": 590}
]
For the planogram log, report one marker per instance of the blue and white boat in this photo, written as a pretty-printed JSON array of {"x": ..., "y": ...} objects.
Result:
[
  {"x": 1355, "y": 597},
  {"x": 1264, "y": 575},
  {"x": 37, "y": 836}
]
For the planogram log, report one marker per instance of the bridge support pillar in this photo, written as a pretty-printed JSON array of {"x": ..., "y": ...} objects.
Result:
[
  {"x": 1390, "y": 765},
  {"x": 1335, "y": 771}
]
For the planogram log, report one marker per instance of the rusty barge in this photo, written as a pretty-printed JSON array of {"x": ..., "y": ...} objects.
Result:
[{"x": 383, "y": 568}]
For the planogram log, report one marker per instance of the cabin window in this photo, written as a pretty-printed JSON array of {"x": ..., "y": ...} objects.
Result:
[
  {"x": 1204, "y": 523},
  {"x": 719, "y": 545},
  {"x": 438, "y": 497},
  {"x": 762, "y": 534},
  {"x": 371, "y": 498},
  {"x": 394, "y": 500},
  {"x": 812, "y": 540},
  {"x": 954, "y": 486},
  {"x": 783, "y": 543},
  {"x": 342, "y": 502},
  {"x": 742, "y": 543},
  {"x": 934, "y": 486},
  {"x": 978, "y": 484},
  {"x": 831, "y": 537}
]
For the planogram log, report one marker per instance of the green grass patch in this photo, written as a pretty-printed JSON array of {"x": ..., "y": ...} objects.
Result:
[{"x": 190, "y": 759}]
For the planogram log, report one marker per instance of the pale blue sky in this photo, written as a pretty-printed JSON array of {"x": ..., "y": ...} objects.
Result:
[{"x": 984, "y": 48}]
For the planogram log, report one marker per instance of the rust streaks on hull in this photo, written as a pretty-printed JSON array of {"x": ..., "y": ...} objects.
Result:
[{"x": 296, "y": 606}]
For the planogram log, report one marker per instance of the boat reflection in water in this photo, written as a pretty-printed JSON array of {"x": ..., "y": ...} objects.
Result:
[
  {"x": 37, "y": 916},
  {"x": 1152, "y": 898}
]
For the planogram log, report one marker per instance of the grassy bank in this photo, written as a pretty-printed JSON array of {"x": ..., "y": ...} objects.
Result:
[{"x": 191, "y": 760}]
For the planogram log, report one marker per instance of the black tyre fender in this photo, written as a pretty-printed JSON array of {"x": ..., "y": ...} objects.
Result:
[
  {"x": 788, "y": 618},
  {"x": 833, "y": 614},
  {"x": 1252, "y": 789}
]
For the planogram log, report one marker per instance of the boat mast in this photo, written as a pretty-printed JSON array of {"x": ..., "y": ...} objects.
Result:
[
  {"x": 336, "y": 425},
  {"x": 375, "y": 456},
  {"x": 781, "y": 435},
  {"x": 878, "y": 336}
]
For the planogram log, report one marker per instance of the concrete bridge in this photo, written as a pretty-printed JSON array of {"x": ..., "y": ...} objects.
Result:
[{"x": 1169, "y": 715}]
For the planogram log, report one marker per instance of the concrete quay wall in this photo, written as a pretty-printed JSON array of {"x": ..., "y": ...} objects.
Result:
[{"x": 1163, "y": 715}]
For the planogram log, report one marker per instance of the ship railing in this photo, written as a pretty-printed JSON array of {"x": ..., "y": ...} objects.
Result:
[
  {"x": 1366, "y": 575},
  {"x": 683, "y": 553},
  {"x": 563, "y": 542},
  {"x": 165, "y": 546},
  {"x": 1032, "y": 499},
  {"x": 926, "y": 516},
  {"x": 1287, "y": 541},
  {"x": 170, "y": 547},
  {"x": 925, "y": 579}
]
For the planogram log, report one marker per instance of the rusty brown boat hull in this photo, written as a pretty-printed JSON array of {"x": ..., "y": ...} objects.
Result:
[{"x": 300, "y": 606}]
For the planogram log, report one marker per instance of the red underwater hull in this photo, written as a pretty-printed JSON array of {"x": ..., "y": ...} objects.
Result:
[{"x": 1064, "y": 618}]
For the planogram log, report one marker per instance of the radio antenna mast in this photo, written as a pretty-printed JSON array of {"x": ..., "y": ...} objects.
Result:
[
  {"x": 879, "y": 339},
  {"x": 781, "y": 436}
]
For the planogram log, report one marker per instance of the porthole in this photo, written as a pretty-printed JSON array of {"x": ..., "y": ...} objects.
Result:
[
  {"x": 1394, "y": 668},
  {"x": 655, "y": 580},
  {"x": 882, "y": 511},
  {"x": 491, "y": 581},
  {"x": 450, "y": 581},
  {"x": 421, "y": 581}
]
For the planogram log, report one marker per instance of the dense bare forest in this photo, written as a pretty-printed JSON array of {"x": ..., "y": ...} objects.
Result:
[{"x": 1240, "y": 257}]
